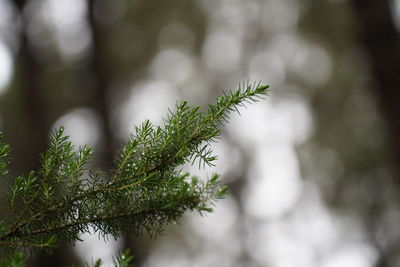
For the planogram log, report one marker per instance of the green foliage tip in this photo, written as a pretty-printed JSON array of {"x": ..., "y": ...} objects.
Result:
[{"x": 143, "y": 193}]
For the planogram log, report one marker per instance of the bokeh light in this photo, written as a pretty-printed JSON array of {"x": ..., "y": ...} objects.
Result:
[{"x": 302, "y": 165}]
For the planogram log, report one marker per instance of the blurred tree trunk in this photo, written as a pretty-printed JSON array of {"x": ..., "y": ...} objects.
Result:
[
  {"x": 381, "y": 40},
  {"x": 104, "y": 76},
  {"x": 28, "y": 134}
]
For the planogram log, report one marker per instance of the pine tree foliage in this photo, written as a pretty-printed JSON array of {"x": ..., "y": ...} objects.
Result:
[{"x": 142, "y": 194}]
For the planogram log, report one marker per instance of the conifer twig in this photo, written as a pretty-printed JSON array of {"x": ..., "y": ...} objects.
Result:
[{"x": 144, "y": 193}]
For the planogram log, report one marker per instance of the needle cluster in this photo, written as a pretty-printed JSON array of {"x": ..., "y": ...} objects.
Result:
[{"x": 144, "y": 192}]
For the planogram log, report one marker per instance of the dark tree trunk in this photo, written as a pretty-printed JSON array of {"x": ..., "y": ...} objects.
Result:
[
  {"x": 29, "y": 129},
  {"x": 104, "y": 76},
  {"x": 381, "y": 41}
]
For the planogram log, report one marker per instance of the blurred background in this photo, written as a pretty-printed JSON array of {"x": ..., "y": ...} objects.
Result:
[{"x": 313, "y": 170}]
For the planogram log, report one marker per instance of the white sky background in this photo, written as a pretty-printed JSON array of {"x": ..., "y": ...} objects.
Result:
[
  {"x": 6, "y": 62},
  {"x": 285, "y": 222},
  {"x": 5, "y": 66}
]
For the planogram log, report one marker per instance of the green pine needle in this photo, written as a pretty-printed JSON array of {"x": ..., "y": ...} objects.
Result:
[{"x": 142, "y": 194}]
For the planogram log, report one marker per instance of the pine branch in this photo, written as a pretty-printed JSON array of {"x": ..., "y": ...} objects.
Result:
[
  {"x": 143, "y": 194},
  {"x": 122, "y": 259},
  {"x": 4, "y": 160}
]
